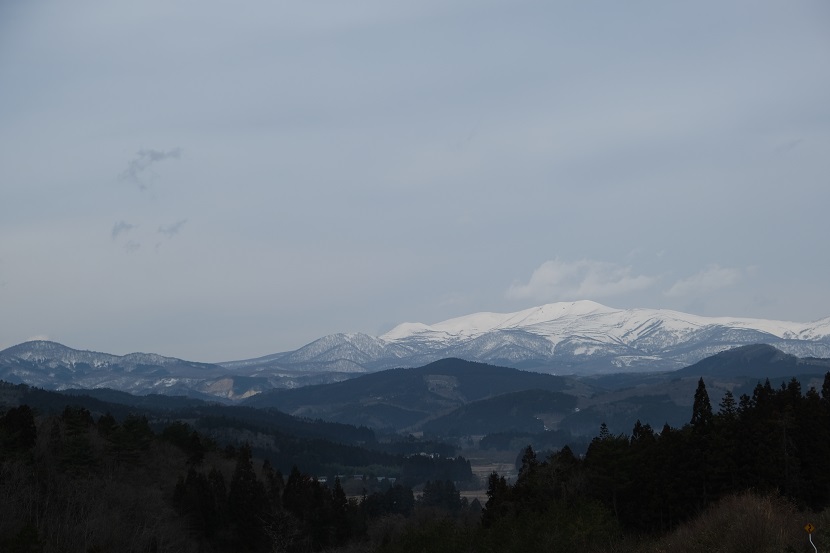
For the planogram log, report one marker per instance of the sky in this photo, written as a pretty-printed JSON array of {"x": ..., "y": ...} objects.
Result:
[{"x": 217, "y": 181}]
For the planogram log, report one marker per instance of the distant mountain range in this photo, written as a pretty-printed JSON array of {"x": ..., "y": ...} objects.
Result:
[
  {"x": 579, "y": 338},
  {"x": 452, "y": 397},
  {"x": 53, "y": 366}
]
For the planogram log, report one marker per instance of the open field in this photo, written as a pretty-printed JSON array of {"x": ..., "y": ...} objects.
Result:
[{"x": 484, "y": 463}]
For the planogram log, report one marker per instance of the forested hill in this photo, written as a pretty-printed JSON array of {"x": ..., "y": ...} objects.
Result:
[
  {"x": 161, "y": 408},
  {"x": 317, "y": 447},
  {"x": 398, "y": 398}
]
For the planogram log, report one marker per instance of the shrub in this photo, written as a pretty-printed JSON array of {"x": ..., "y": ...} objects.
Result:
[{"x": 743, "y": 523}]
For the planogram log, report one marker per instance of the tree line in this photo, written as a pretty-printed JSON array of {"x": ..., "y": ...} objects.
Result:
[{"x": 71, "y": 482}]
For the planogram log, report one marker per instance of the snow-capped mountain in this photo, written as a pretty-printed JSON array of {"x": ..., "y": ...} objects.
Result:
[
  {"x": 562, "y": 338},
  {"x": 54, "y": 366},
  {"x": 575, "y": 337}
]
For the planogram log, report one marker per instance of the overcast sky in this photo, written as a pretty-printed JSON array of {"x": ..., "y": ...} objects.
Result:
[{"x": 215, "y": 181}]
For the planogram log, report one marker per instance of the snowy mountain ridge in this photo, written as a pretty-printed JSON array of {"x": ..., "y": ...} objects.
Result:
[
  {"x": 54, "y": 354},
  {"x": 558, "y": 319},
  {"x": 579, "y": 338}
]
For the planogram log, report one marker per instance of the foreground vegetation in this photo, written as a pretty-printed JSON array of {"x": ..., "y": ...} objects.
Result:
[{"x": 745, "y": 478}]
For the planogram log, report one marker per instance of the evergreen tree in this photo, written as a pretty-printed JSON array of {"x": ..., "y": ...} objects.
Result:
[
  {"x": 76, "y": 450},
  {"x": 643, "y": 494},
  {"x": 702, "y": 408},
  {"x": 607, "y": 468},
  {"x": 340, "y": 514},
  {"x": 529, "y": 461},
  {"x": 728, "y": 407},
  {"x": 724, "y": 440},
  {"x": 273, "y": 485},
  {"x": 825, "y": 388},
  {"x": 297, "y": 493},
  {"x": 441, "y": 495},
  {"x": 17, "y": 430},
  {"x": 499, "y": 496},
  {"x": 195, "y": 499},
  {"x": 107, "y": 425},
  {"x": 247, "y": 502}
]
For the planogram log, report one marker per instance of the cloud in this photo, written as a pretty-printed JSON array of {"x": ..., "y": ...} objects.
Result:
[
  {"x": 712, "y": 278},
  {"x": 132, "y": 246},
  {"x": 121, "y": 227},
  {"x": 584, "y": 279},
  {"x": 142, "y": 162},
  {"x": 172, "y": 230}
]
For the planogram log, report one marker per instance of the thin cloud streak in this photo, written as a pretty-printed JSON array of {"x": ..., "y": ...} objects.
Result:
[
  {"x": 121, "y": 227},
  {"x": 143, "y": 161},
  {"x": 169, "y": 231}
]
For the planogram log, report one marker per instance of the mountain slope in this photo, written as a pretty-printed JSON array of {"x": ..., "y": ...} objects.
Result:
[
  {"x": 452, "y": 397},
  {"x": 524, "y": 411},
  {"x": 57, "y": 367},
  {"x": 54, "y": 366},
  {"x": 399, "y": 398},
  {"x": 753, "y": 360}
]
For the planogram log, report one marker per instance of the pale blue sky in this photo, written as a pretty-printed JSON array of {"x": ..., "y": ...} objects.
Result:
[{"x": 218, "y": 181}]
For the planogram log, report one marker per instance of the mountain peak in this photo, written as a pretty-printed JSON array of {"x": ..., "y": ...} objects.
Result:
[
  {"x": 586, "y": 336},
  {"x": 38, "y": 349}
]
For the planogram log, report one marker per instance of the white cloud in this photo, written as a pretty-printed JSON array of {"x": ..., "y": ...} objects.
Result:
[
  {"x": 712, "y": 278},
  {"x": 584, "y": 279}
]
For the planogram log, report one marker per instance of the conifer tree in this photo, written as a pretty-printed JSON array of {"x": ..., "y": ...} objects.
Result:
[
  {"x": 728, "y": 407},
  {"x": 702, "y": 408},
  {"x": 825, "y": 389},
  {"x": 17, "y": 429},
  {"x": 498, "y": 499},
  {"x": 247, "y": 501},
  {"x": 529, "y": 461}
]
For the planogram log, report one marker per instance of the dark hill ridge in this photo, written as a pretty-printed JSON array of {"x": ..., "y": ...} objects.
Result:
[
  {"x": 453, "y": 397},
  {"x": 757, "y": 360},
  {"x": 399, "y": 398}
]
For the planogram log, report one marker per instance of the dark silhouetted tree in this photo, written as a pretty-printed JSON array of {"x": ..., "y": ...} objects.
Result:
[
  {"x": 701, "y": 408},
  {"x": 248, "y": 507}
]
